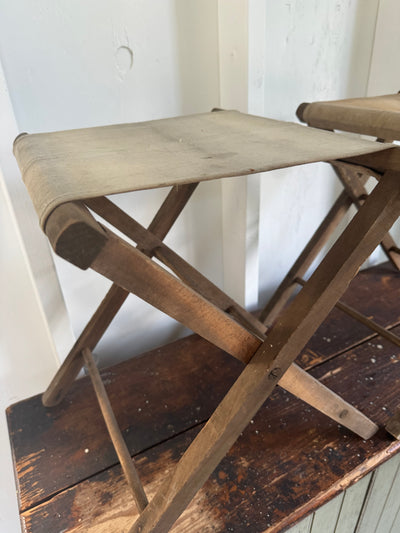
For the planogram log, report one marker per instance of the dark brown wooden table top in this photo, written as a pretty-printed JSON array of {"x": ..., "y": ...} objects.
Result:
[{"x": 289, "y": 461}]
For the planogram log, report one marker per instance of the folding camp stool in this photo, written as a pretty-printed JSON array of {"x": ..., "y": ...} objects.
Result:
[
  {"x": 378, "y": 117},
  {"x": 68, "y": 172}
]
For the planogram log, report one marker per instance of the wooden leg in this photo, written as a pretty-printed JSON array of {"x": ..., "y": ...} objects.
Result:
[
  {"x": 90, "y": 336},
  {"x": 146, "y": 240},
  {"x": 129, "y": 268},
  {"x": 304, "y": 261},
  {"x": 121, "y": 449},
  {"x": 353, "y": 178},
  {"x": 171, "y": 208},
  {"x": 289, "y": 334},
  {"x": 160, "y": 225},
  {"x": 310, "y": 390}
]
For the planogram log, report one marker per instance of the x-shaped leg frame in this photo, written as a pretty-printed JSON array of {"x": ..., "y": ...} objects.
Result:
[{"x": 198, "y": 304}]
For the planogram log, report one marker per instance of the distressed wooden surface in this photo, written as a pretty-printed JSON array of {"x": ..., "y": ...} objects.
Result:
[
  {"x": 157, "y": 405},
  {"x": 288, "y": 462},
  {"x": 374, "y": 292}
]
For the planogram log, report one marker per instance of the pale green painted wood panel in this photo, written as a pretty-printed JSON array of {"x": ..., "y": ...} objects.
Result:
[
  {"x": 302, "y": 527},
  {"x": 370, "y": 506},
  {"x": 351, "y": 506},
  {"x": 325, "y": 518},
  {"x": 391, "y": 507},
  {"x": 396, "y": 524},
  {"x": 380, "y": 486}
]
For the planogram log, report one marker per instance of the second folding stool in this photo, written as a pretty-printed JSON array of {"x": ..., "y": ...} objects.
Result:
[{"x": 377, "y": 117}]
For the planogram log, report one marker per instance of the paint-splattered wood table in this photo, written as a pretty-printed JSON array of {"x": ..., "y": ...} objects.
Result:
[{"x": 289, "y": 461}]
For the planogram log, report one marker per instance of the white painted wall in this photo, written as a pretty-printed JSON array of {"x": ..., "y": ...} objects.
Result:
[
  {"x": 384, "y": 77},
  {"x": 313, "y": 51},
  {"x": 20, "y": 342},
  {"x": 71, "y": 64},
  {"x": 385, "y": 73},
  {"x": 32, "y": 320},
  {"x": 67, "y": 64}
]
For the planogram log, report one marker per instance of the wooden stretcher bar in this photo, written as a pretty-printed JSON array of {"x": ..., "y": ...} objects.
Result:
[{"x": 371, "y": 324}]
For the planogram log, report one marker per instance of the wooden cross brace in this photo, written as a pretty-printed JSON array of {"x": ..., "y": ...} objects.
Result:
[{"x": 197, "y": 303}]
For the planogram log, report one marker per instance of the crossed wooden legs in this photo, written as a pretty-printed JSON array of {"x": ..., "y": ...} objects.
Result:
[
  {"x": 288, "y": 335},
  {"x": 296, "y": 380},
  {"x": 274, "y": 354},
  {"x": 245, "y": 329},
  {"x": 240, "y": 339},
  {"x": 116, "y": 296}
]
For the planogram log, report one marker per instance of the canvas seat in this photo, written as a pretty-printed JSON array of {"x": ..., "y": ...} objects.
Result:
[
  {"x": 377, "y": 116},
  {"x": 68, "y": 172}
]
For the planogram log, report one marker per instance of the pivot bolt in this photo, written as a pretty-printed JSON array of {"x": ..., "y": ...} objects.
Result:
[{"x": 275, "y": 373}]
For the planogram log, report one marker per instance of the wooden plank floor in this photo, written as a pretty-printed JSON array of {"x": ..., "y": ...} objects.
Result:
[{"x": 288, "y": 462}]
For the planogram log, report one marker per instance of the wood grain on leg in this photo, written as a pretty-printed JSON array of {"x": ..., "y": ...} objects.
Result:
[
  {"x": 89, "y": 337},
  {"x": 353, "y": 182}
]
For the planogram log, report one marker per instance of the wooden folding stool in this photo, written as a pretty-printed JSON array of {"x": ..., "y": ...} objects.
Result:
[
  {"x": 68, "y": 172},
  {"x": 377, "y": 117}
]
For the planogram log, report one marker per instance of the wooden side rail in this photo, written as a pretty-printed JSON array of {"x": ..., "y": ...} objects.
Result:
[{"x": 377, "y": 116}]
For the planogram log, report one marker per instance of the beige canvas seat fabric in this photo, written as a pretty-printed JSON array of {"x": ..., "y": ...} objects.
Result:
[
  {"x": 78, "y": 164},
  {"x": 376, "y": 115}
]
